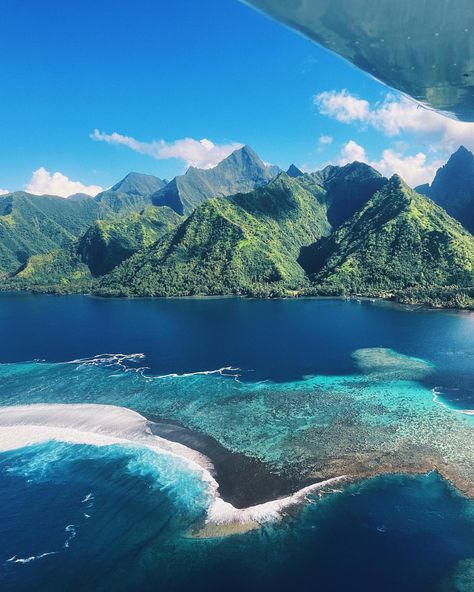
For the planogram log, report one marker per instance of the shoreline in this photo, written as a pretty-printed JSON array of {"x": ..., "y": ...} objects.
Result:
[
  {"x": 413, "y": 307},
  {"x": 245, "y": 493},
  {"x": 243, "y": 481},
  {"x": 244, "y": 489}
]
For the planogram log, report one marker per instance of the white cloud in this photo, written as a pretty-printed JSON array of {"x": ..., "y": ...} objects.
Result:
[
  {"x": 396, "y": 115},
  {"x": 4, "y": 191},
  {"x": 352, "y": 151},
  {"x": 414, "y": 169},
  {"x": 325, "y": 140},
  {"x": 43, "y": 182},
  {"x": 199, "y": 153},
  {"x": 342, "y": 106}
]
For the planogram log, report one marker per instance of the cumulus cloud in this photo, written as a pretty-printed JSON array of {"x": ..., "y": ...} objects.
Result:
[
  {"x": 396, "y": 115},
  {"x": 199, "y": 153},
  {"x": 342, "y": 106},
  {"x": 325, "y": 140},
  {"x": 4, "y": 191},
  {"x": 352, "y": 151},
  {"x": 414, "y": 169},
  {"x": 43, "y": 182}
]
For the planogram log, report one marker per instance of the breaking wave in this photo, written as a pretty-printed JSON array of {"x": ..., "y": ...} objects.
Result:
[{"x": 108, "y": 425}]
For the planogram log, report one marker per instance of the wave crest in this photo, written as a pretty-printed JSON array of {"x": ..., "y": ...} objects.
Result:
[{"x": 105, "y": 425}]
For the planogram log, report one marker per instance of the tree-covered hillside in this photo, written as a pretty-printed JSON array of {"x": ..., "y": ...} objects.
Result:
[
  {"x": 38, "y": 224},
  {"x": 398, "y": 240},
  {"x": 230, "y": 245},
  {"x": 109, "y": 242}
]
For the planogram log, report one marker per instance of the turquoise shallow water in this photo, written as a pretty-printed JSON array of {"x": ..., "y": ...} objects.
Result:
[{"x": 84, "y": 517}]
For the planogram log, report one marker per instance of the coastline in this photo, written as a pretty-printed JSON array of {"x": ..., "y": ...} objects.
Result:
[
  {"x": 241, "y": 489},
  {"x": 243, "y": 481},
  {"x": 240, "y": 501},
  {"x": 388, "y": 301}
]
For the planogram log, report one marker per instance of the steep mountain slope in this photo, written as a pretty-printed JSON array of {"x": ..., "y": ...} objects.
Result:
[
  {"x": 60, "y": 271},
  {"x": 242, "y": 171},
  {"x": 397, "y": 240},
  {"x": 241, "y": 244},
  {"x": 32, "y": 225},
  {"x": 348, "y": 188},
  {"x": 453, "y": 187},
  {"x": 109, "y": 242},
  {"x": 131, "y": 194},
  {"x": 294, "y": 171}
]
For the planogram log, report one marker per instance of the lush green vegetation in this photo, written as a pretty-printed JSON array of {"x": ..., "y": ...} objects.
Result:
[
  {"x": 59, "y": 271},
  {"x": 109, "y": 242},
  {"x": 397, "y": 241},
  {"x": 131, "y": 194},
  {"x": 243, "y": 244},
  {"x": 242, "y": 171},
  {"x": 441, "y": 297},
  {"x": 338, "y": 232},
  {"x": 34, "y": 225}
]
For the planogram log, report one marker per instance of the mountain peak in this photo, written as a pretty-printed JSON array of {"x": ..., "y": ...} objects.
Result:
[
  {"x": 294, "y": 171},
  {"x": 453, "y": 187},
  {"x": 138, "y": 183},
  {"x": 240, "y": 172},
  {"x": 397, "y": 182},
  {"x": 245, "y": 153},
  {"x": 462, "y": 150}
]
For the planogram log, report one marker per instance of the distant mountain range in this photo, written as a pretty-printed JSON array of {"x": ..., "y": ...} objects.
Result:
[
  {"x": 131, "y": 194},
  {"x": 240, "y": 172},
  {"x": 244, "y": 227},
  {"x": 453, "y": 187}
]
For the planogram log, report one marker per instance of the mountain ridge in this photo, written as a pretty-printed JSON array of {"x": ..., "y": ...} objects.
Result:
[
  {"x": 453, "y": 187},
  {"x": 241, "y": 171},
  {"x": 399, "y": 239}
]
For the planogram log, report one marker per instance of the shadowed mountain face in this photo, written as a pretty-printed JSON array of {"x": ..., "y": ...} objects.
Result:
[
  {"x": 240, "y": 172},
  {"x": 453, "y": 187},
  {"x": 36, "y": 224},
  {"x": 230, "y": 245},
  {"x": 348, "y": 188},
  {"x": 423, "y": 47},
  {"x": 131, "y": 194},
  {"x": 294, "y": 171},
  {"x": 398, "y": 239},
  {"x": 109, "y": 242}
]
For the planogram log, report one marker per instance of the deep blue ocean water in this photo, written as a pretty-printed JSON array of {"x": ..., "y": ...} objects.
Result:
[{"x": 82, "y": 517}]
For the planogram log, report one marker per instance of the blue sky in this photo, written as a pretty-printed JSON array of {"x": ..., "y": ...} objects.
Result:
[{"x": 162, "y": 76}]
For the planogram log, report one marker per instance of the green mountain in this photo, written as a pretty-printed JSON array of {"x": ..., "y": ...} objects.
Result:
[
  {"x": 240, "y": 172},
  {"x": 109, "y": 242},
  {"x": 247, "y": 243},
  {"x": 399, "y": 239},
  {"x": 131, "y": 194},
  {"x": 59, "y": 271},
  {"x": 453, "y": 187},
  {"x": 37, "y": 224}
]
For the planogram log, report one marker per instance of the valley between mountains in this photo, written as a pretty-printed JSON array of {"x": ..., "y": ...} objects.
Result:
[{"x": 248, "y": 228}]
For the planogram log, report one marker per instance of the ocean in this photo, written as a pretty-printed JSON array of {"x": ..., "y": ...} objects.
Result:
[{"x": 235, "y": 444}]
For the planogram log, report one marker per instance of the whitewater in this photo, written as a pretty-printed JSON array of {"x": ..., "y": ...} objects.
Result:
[{"x": 108, "y": 425}]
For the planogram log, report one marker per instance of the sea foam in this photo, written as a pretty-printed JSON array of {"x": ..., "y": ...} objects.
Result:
[{"x": 105, "y": 425}]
